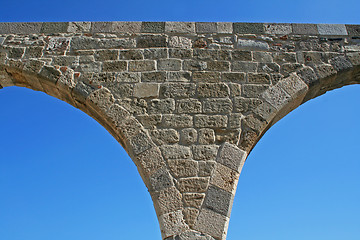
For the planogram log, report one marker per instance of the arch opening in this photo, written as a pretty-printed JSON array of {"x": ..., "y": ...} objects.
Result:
[{"x": 71, "y": 182}]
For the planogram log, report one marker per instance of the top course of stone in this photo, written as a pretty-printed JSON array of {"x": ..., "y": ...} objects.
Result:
[{"x": 180, "y": 28}]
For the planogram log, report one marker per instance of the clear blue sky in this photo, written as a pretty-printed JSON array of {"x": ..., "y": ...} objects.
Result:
[{"x": 62, "y": 176}]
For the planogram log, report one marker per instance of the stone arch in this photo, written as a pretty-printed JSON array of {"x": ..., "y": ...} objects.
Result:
[
  {"x": 297, "y": 88},
  {"x": 98, "y": 102}
]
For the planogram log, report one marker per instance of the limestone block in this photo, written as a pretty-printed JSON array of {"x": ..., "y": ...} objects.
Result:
[
  {"x": 122, "y": 27},
  {"x": 193, "y": 199},
  {"x": 161, "y": 180},
  {"x": 225, "y": 178},
  {"x": 150, "y": 161},
  {"x": 237, "y": 77},
  {"x": 207, "y": 90},
  {"x": 172, "y": 223},
  {"x": 146, "y": 90},
  {"x": 161, "y": 106},
  {"x": 206, "y": 168},
  {"x": 190, "y": 215},
  {"x": 340, "y": 63},
  {"x": 142, "y": 65},
  {"x": 167, "y": 200},
  {"x": 224, "y": 27},
  {"x": 217, "y": 105},
  {"x": 210, "y": 121},
  {"x": 231, "y": 156},
  {"x": 164, "y": 136},
  {"x": 79, "y": 27},
  {"x": 153, "y": 27},
  {"x": 177, "y": 121},
  {"x": 175, "y": 152},
  {"x": 206, "y": 76},
  {"x": 180, "y": 27},
  {"x": 183, "y": 167},
  {"x": 212, "y": 223},
  {"x": 177, "y": 90},
  {"x": 151, "y": 41},
  {"x": 188, "y": 136},
  {"x": 293, "y": 85},
  {"x": 193, "y": 184},
  {"x": 180, "y": 53},
  {"x": 205, "y": 152},
  {"x": 278, "y": 28},
  {"x": 206, "y": 27},
  {"x": 140, "y": 142},
  {"x": 188, "y": 106},
  {"x": 155, "y": 53},
  {"x": 249, "y": 28},
  {"x": 276, "y": 96},
  {"x": 180, "y": 42},
  {"x": 306, "y": 29},
  {"x": 206, "y": 136},
  {"x": 169, "y": 64},
  {"x": 153, "y": 76},
  {"x": 244, "y": 66},
  {"x": 180, "y": 76},
  {"x": 252, "y": 45},
  {"x": 332, "y": 29},
  {"x": 218, "y": 200},
  {"x": 235, "y": 120}
]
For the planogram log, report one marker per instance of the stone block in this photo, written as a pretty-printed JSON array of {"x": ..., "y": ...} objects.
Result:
[
  {"x": 164, "y": 136},
  {"x": 180, "y": 27},
  {"x": 150, "y": 161},
  {"x": 224, "y": 27},
  {"x": 190, "y": 215},
  {"x": 217, "y": 105},
  {"x": 4, "y": 27},
  {"x": 212, "y": 223},
  {"x": 169, "y": 64},
  {"x": 205, "y": 152},
  {"x": 293, "y": 85},
  {"x": 210, "y": 121},
  {"x": 241, "y": 55},
  {"x": 259, "y": 78},
  {"x": 180, "y": 42},
  {"x": 340, "y": 63},
  {"x": 240, "y": 66},
  {"x": 160, "y": 180},
  {"x": 180, "y": 53},
  {"x": 172, "y": 223},
  {"x": 177, "y": 121},
  {"x": 263, "y": 57},
  {"x": 218, "y": 200},
  {"x": 16, "y": 52},
  {"x": 153, "y": 76},
  {"x": 332, "y": 29},
  {"x": 235, "y": 120},
  {"x": 140, "y": 142},
  {"x": 305, "y": 29},
  {"x": 237, "y": 77},
  {"x": 175, "y": 152},
  {"x": 146, "y": 90},
  {"x": 206, "y": 27},
  {"x": 221, "y": 66},
  {"x": 206, "y": 168},
  {"x": 151, "y": 41},
  {"x": 308, "y": 75},
  {"x": 213, "y": 90},
  {"x": 206, "y": 136},
  {"x": 277, "y": 97},
  {"x": 123, "y": 27},
  {"x": 193, "y": 65},
  {"x": 131, "y": 54},
  {"x": 253, "y": 90},
  {"x": 256, "y": 28},
  {"x": 231, "y": 156},
  {"x": 225, "y": 178},
  {"x": 167, "y": 200},
  {"x": 188, "y": 106},
  {"x": 161, "y": 106},
  {"x": 150, "y": 121},
  {"x": 101, "y": 27},
  {"x": 278, "y": 28},
  {"x": 227, "y": 135},
  {"x": 353, "y": 30},
  {"x": 57, "y": 45},
  {"x": 265, "y": 111},
  {"x": 183, "y": 167},
  {"x": 193, "y": 199},
  {"x": 141, "y": 65},
  {"x": 117, "y": 114},
  {"x": 134, "y": 105},
  {"x": 155, "y": 53},
  {"x": 79, "y": 27},
  {"x": 114, "y": 66},
  {"x": 193, "y": 184},
  {"x": 269, "y": 67},
  {"x": 252, "y": 45},
  {"x": 178, "y": 90},
  {"x": 206, "y": 76},
  {"x": 54, "y": 27},
  {"x": 24, "y": 28},
  {"x": 178, "y": 76},
  {"x": 188, "y": 136},
  {"x": 153, "y": 27}
]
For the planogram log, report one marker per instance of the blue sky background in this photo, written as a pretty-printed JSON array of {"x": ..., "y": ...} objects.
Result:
[{"x": 63, "y": 176}]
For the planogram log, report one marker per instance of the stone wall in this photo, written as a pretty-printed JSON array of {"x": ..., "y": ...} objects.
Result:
[{"x": 188, "y": 101}]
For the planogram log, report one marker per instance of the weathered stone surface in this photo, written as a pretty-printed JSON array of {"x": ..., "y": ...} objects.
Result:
[
  {"x": 164, "y": 136},
  {"x": 183, "y": 167},
  {"x": 218, "y": 200},
  {"x": 193, "y": 184},
  {"x": 225, "y": 178},
  {"x": 203, "y": 93},
  {"x": 205, "y": 152},
  {"x": 231, "y": 156},
  {"x": 188, "y": 136},
  {"x": 175, "y": 152}
]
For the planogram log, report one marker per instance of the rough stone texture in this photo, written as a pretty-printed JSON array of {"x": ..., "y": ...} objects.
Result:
[{"x": 188, "y": 101}]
